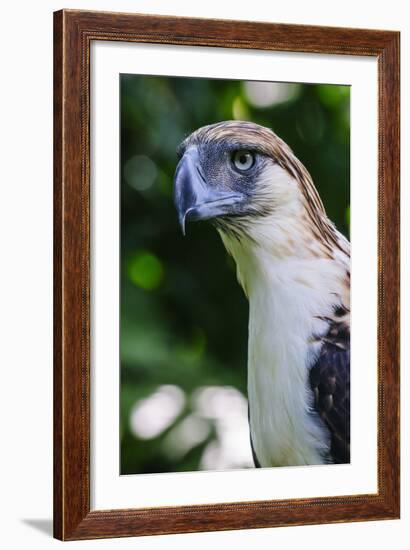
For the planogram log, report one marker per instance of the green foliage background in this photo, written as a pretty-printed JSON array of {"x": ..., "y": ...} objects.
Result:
[{"x": 183, "y": 316}]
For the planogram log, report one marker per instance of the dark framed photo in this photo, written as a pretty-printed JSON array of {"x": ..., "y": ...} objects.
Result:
[{"x": 226, "y": 275}]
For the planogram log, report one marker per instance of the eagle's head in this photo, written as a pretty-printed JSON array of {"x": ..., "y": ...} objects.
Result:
[
  {"x": 247, "y": 180},
  {"x": 261, "y": 198},
  {"x": 229, "y": 172}
]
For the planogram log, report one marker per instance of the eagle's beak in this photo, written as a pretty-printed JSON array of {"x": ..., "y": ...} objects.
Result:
[{"x": 194, "y": 198}]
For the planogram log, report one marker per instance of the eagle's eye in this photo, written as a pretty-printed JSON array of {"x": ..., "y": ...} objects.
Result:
[{"x": 243, "y": 160}]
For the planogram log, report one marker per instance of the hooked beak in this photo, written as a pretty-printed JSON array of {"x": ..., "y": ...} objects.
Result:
[{"x": 194, "y": 198}]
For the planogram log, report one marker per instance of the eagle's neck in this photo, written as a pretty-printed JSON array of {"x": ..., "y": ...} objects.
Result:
[{"x": 291, "y": 292}]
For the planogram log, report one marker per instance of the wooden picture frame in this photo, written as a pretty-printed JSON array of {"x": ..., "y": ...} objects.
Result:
[{"x": 74, "y": 32}]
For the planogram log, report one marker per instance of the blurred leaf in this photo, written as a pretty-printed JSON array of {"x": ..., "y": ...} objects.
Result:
[{"x": 145, "y": 270}]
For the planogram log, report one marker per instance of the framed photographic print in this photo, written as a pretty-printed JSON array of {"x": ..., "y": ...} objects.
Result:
[{"x": 226, "y": 285}]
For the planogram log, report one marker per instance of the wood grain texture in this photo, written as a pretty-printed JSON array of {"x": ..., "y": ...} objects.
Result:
[
  {"x": 73, "y": 32},
  {"x": 58, "y": 274}
]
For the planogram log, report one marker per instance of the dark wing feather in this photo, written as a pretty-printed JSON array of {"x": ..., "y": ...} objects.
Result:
[{"x": 330, "y": 382}]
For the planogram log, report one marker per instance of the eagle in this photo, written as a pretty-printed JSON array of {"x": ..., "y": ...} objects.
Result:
[{"x": 294, "y": 268}]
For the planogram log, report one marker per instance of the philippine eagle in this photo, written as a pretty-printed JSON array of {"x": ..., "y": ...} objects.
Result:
[{"x": 294, "y": 267}]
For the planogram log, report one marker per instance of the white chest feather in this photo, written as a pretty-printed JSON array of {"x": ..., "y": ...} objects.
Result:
[
  {"x": 283, "y": 429},
  {"x": 286, "y": 298}
]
